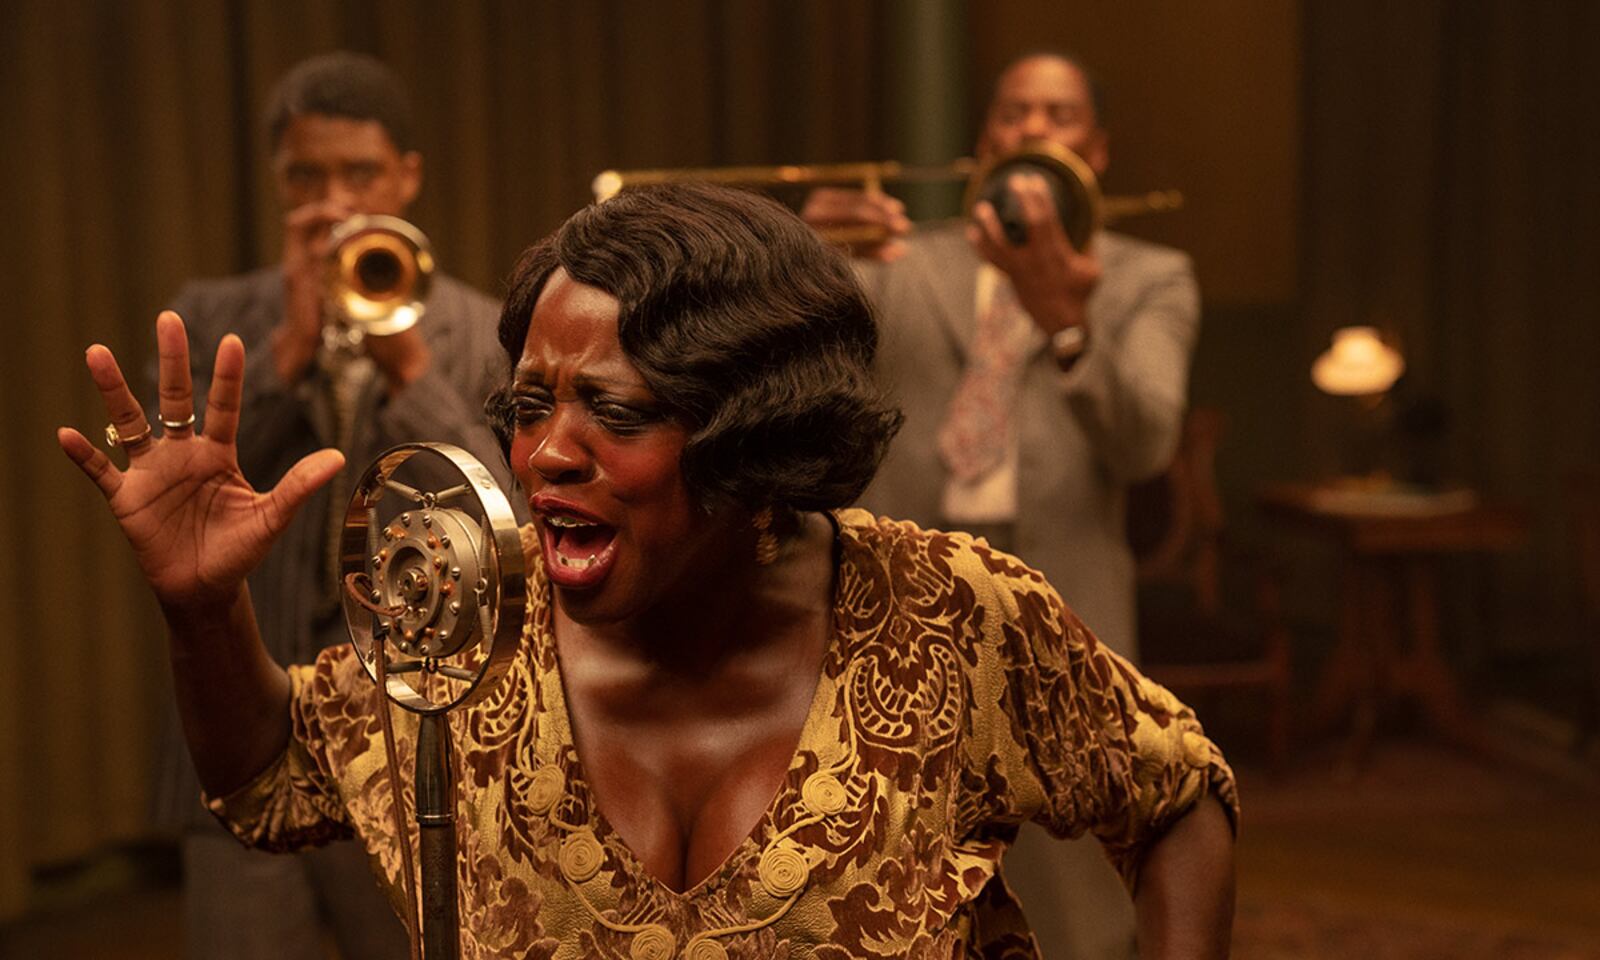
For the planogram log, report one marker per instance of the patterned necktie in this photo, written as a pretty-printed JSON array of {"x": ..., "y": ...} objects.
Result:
[
  {"x": 977, "y": 424},
  {"x": 348, "y": 379}
]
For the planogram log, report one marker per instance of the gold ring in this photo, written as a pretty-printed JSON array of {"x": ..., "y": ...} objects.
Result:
[
  {"x": 169, "y": 426},
  {"x": 116, "y": 439}
]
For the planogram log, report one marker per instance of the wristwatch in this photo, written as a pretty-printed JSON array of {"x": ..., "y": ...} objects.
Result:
[{"x": 1069, "y": 342}]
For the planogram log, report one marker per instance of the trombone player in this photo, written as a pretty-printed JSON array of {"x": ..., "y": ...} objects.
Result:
[
  {"x": 340, "y": 129},
  {"x": 1038, "y": 382}
]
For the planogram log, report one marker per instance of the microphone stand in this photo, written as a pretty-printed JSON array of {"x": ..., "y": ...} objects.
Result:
[
  {"x": 439, "y": 583},
  {"x": 436, "y": 823}
]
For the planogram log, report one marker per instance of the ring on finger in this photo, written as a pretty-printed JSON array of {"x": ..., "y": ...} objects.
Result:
[
  {"x": 186, "y": 425},
  {"x": 116, "y": 439}
]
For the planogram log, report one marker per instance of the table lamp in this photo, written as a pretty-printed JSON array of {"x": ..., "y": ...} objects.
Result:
[{"x": 1359, "y": 364}]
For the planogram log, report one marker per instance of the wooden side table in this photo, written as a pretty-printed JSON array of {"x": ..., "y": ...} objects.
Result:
[{"x": 1390, "y": 544}]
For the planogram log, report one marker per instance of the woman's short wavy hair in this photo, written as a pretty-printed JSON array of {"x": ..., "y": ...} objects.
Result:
[{"x": 742, "y": 322}]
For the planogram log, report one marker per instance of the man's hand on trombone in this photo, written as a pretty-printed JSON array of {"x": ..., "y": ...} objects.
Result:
[
  {"x": 870, "y": 223},
  {"x": 1052, "y": 279}
]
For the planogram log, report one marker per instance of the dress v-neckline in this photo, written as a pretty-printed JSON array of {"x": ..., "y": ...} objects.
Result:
[{"x": 816, "y": 713}]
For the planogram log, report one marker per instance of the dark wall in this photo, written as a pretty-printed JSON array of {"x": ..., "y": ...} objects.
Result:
[{"x": 1202, "y": 97}]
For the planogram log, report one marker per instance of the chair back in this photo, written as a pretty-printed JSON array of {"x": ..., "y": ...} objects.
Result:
[{"x": 1174, "y": 521}]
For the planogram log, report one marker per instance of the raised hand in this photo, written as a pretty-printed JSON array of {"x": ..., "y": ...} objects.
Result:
[{"x": 196, "y": 525}]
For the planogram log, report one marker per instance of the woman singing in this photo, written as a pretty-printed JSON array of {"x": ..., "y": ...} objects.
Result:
[{"x": 744, "y": 720}]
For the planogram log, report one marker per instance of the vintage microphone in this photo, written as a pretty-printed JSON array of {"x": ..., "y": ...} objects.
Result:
[{"x": 434, "y": 599}]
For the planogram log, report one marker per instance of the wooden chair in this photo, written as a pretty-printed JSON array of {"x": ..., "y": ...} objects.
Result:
[
  {"x": 1583, "y": 502},
  {"x": 1191, "y": 637}
]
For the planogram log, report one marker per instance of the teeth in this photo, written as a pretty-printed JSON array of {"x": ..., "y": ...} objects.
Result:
[
  {"x": 565, "y": 523},
  {"x": 579, "y": 564}
]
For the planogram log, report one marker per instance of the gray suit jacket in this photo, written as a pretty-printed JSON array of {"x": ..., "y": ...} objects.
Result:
[{"x": 1114, "y": 419}]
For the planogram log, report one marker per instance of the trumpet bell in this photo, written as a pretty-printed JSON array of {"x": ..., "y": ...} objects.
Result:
[
  {"x": 379, "y": 273},
  {"x": 1072, "y": 183}
]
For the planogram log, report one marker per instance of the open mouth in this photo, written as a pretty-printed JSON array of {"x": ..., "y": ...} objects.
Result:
[{"x": 578, "y": 552}]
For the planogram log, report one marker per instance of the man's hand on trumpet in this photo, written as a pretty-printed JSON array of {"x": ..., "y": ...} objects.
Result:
[
  {"x": 870, "y": 223},
  {"x": 305, "y": 256},
  {"x": 401, "y": 357}
]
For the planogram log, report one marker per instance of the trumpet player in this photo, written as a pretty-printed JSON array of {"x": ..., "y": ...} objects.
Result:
[
  {"x": 339, "y": 127},
  {"x": 1038, "y": 382}
]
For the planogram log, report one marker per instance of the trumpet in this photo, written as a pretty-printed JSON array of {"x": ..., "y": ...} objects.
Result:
[
  {"x": 378, "y": 274},
  {"x": 1082, "y": 207}
]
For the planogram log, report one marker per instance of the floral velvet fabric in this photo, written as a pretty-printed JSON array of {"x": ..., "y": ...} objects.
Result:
[{"x": 959, "y": 698}]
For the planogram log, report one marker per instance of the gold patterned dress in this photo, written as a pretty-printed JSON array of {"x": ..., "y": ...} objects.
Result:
[{"x": 959, "y": 697}]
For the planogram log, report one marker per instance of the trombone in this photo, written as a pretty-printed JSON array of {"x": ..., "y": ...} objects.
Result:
[{"x": 1080, "y": 204}]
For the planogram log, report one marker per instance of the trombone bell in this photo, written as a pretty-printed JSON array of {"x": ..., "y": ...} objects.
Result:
[
  {"x": 378, "y": 274},
  {"x": 1072, "y": 184}
]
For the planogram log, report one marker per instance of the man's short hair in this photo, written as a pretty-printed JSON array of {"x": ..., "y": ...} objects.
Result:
[
  {"x": 342, "y": 84},
  {"x": 1097, "y": 89}
]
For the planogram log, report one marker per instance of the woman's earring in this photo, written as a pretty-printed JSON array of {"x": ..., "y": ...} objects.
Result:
[{"x": 766, "y": 540}]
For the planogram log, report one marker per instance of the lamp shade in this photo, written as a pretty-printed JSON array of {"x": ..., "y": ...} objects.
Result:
[{"x": 1358, "y": 363}]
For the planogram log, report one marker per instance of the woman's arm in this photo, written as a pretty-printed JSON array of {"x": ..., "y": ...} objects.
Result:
[
  {"x": 1184, "y": 896},
  {"x": 197, "y": 528},
  {"x": 233, "y": 698}
]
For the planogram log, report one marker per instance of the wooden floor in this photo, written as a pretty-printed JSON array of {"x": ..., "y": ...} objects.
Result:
[{"x": 1421, "y": 853}]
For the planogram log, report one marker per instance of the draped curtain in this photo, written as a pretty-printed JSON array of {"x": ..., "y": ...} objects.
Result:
[{"x": 134, "y": 158}]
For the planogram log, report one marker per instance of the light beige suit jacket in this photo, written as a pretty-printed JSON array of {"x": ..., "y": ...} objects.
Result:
[{"x": 1114, "y": 419}]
